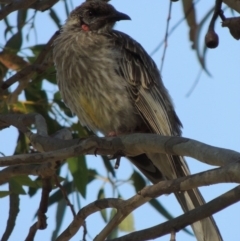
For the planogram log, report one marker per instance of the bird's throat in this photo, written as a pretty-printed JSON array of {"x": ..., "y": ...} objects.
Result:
[{"x": 85, "y": 27}]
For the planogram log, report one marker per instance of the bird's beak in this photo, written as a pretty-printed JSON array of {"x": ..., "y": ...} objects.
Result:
[{"x": 117, "y": 16}]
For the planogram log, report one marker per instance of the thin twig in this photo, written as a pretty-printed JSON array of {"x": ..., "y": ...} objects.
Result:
[
  {"x": 85, "y": 212},
  {"x": 166, "y": 35},
  {"x": 194, "y": 83},
  {"x": 58, "y": 184},
  {"x": 216, "y": 12},
  {"x": 173, "y": 29}
]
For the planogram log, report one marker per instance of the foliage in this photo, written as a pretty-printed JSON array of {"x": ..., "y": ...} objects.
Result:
[{"x": 32, "y": 95}]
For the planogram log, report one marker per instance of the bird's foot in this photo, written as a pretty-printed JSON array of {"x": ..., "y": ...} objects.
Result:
[
  {"x": 117, "y": 156},
  {"x": 95, "y": 151}
]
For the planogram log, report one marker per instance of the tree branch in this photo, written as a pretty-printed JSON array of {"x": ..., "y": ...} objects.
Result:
[
  {"x": 186, "y": 219},
  {"x": 39, "y": 66},
  {"x": 130, "y": 145},
  {"x": 164, "y": 187},
  {"x": 233, "y": 4},
  {"x": 14, "y": 6},
  {"x": 43, "y": 5},
  {"x": 85, "y": 212}
]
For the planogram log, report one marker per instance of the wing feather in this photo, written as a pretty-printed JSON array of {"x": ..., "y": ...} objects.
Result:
[
  {"x": 154, "y": 104},
  {"x": 145, "y": 87}
]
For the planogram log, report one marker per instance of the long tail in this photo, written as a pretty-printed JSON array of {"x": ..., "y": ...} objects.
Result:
[
  {"x": 153, "y": 165},
  {"x": 205, "y": 229}
]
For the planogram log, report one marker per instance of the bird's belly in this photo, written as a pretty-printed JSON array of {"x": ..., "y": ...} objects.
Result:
[{"x": 100, "y": 99}]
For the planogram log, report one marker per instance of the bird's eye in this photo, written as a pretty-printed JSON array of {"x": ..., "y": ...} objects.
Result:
[{"x": 90, "y": 13}]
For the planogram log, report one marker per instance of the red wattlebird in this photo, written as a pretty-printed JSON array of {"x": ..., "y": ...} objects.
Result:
[{"x": 109, "y": 81}]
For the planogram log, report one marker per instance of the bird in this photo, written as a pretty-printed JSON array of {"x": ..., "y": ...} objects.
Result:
[{"x": 114, "y": 87}]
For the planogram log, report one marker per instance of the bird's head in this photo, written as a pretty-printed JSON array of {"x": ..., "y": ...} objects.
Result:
[{"x": 94, "y": 15}]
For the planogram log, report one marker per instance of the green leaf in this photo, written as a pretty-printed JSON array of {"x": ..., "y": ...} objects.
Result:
[
  {"x": 36, "y": 49},
  {"x": 32, "y": 191},
  {"x": 16, "y": 187},
  {"x": 79, "y": 171},
  {"x": 20, "y": 107},
  {"x": 57, "y": 196},
  {"x": 81, "y": 131},
  {"x": 50, "y": 75},
  {"x": 22, "y": 144},
  {"x": 3, "y": 71},
  {"x": 127, "y": 225},
  {"x": 39, "y": 96},
  {"x": 66, "y": 8},
  {"x": 61, "y": 209},
  {"x": 160, "y": 208},
  {"x": 3, "y": 107},
  {"x": 113, "y": 212},
  {"x": 58, "y": 100},
  {"x": 64, "y": 108},
  {"x": 55, "y": 17},
  {"x": 138, "y": 181},
  {"x": 114, "y": 233},
  {"x": 26, "y": 181},
  {"x": 15, "y": 42},
  {"x": 8, "y": 28},
  {"x": 103, "y": 212},
  {"x": 108, "y": 165},
  {"x": 92, "y": 173},
  {"x": 201, "y": 58},
  {"x": 4, "y": 193}
]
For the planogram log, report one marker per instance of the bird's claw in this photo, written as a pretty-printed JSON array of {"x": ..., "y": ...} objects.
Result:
[
  {"x": 95, "y": 152},
  {"x": 117, "y": 156}
]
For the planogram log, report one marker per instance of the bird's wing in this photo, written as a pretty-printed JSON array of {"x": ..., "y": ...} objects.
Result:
[
  {"x": 145, "y": 86},
  {"x": 154, "y": 105},
  {"x": 149, "y": 96}
]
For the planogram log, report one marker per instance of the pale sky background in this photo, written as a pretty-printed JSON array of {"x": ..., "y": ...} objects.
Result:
[{"x": 211, "y": 114}]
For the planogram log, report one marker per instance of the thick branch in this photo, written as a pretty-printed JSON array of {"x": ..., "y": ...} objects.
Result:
[
  {"x": 186, "y": 219},
  {"x": 130, "y": 145},
  {"x": 164, "y": 187},
  {"x": 43, "y": 4},
  {"x": 227, "y": 174},
  {"x": 47, "y": 169},
  {"x": 15, "y": 5},
  {"x": 22, "y": 122}
]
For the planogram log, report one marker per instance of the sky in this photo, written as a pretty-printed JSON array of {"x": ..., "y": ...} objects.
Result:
[{"x": 210, "y": 114}]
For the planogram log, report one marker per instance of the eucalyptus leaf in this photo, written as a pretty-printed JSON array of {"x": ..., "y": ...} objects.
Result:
[
  {"x": 4, "y": 193},
  {"x": 16, "y": 187},
  {"x": 79, "y": 171},
  {"x": 101, "y": 195}
]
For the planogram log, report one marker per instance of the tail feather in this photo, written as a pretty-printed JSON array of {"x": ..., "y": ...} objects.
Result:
[
  {"x": 153, "y": 165},
  {"x": 205, "y": 229}
]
